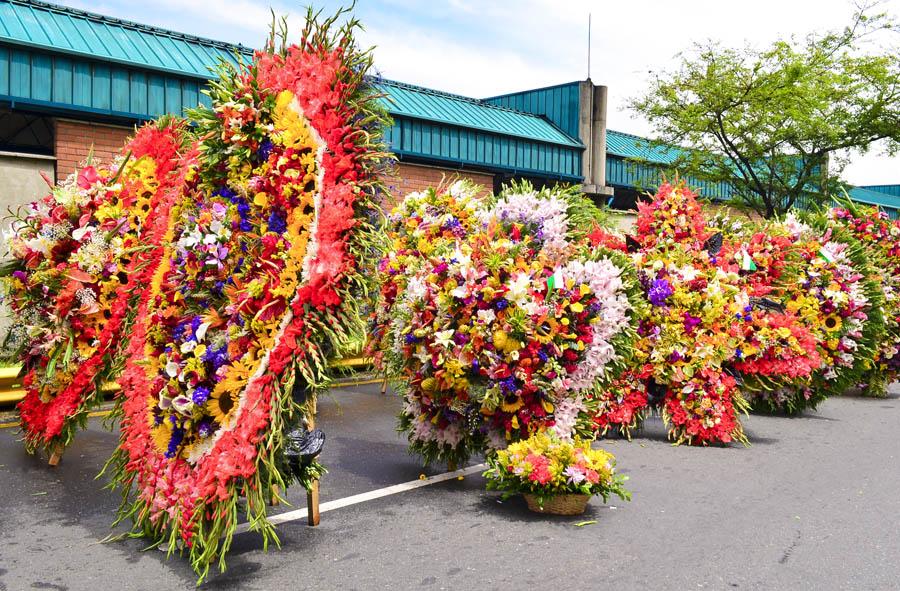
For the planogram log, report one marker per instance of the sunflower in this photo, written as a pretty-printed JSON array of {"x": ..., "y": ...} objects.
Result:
[
  {"x": 546, "y": 330},
  {"x": 511, "y": 403},
  {"x": 221, "y": 405},
  {"x": 833, "y": 323}
]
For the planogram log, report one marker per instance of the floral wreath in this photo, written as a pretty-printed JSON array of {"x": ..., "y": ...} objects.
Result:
[
  {"x": 79, "y": 256},
  {"x": 257, "y": 286}
]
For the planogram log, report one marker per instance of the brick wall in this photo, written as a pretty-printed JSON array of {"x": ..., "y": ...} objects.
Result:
[
  {"x": 416, "y": 177},
  {"x": 74, "y": 140}
]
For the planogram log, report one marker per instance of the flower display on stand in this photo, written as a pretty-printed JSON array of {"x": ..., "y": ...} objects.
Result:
[
  {"x": 839, "y": 302},
  {"x": 78, "y": 257},
  {"x": 507, "y": 334},
  {"x": 547, "y": 469},
  {"x": 422, "y": 225},
  {"x": 779, "y": 348},
  {"x": 257, "y": 286},
  {"x": 880, "y": 236},
  {"x": 693, "y": 325}
]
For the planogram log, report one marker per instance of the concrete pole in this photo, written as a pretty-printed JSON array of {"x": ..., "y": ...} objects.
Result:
[
  {"x": 586, "y": 128},
  {"x": 598, "y": 138}
]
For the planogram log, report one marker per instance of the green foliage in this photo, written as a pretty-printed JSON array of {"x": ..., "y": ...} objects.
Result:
[{"x": 779, "y": 123}]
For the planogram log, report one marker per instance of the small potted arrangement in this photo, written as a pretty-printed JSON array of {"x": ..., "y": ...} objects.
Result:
[{"x": 555, "y": 476}]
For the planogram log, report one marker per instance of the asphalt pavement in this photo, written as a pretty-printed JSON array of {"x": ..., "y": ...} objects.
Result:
[{"x": 814, "y": 503}]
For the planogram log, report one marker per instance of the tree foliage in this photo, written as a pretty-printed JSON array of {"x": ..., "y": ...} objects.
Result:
[{"x": 780, "y": 123}]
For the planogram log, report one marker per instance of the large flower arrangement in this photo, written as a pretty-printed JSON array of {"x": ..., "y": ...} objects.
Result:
[
  {"x": 423, "y": 224},
  {"x": 78, "y": 256},
  {"x": 257, "y": 285},
  {"x": 840, "y": 301},
  {"x": 880, "y": 236},
  {"x": 693, "y": 327},
  {"x": 505, "y": 334}
]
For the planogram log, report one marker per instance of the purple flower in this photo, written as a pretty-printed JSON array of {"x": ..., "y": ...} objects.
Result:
[
  {"x": 690, "y": 322},
  {"x": 659, "y": 292},
  {"x": 174, "y": 442},
  {"x": 277, "y": 223},
  {"x": 265, "y": 148},
  {"x": 204, "y": 428},
  {"x": 200, "y": 395}
]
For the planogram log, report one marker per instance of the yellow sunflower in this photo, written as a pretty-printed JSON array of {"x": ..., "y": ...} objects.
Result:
[
  {"x": 833, "y": 323},
  {"x": 221, "y": 405}
]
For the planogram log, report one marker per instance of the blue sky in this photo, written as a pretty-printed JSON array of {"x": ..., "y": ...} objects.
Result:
[{"x": 483, "y": 48}]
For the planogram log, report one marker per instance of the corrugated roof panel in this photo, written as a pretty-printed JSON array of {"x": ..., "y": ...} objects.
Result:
[
  {"x": 558, "y": 103},
  {"x": 405, "y": 100},
  {"x": 887, "y": 189},
  {"x": 872, "y": 197},
  {"x": 638, "y": 148},
  {"x": 62, "y": 29}
]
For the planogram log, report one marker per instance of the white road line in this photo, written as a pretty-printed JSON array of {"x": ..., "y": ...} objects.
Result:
[{"x": 367, "y": 496}]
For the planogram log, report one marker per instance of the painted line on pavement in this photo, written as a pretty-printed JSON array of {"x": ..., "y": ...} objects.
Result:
[{"x": 367, "y": 496}]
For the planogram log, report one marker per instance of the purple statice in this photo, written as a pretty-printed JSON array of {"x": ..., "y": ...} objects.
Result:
[
  {"x": 200, "y": 395},
  {"x": 216, "y": 357},
  {"x": 204, "y": 428},
  {"x": 175, "y": 441},
  {"x": 501, "y": 304},
  {"x": 276, "y": 222},
  {"x": 410, "y": 339},
  {"x": 659, "y": 292},
  {"x": 690, "y": 322},
  {"x": 227, "y": 194},
  {"x": 508, "y": 385},
  {"x": 265, "y": 148}
]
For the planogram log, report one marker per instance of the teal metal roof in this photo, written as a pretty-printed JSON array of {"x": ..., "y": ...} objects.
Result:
[
  {"x": 560, "y": 104},
  {"x": 424, "y": 104},
  {"x": 874, "y": 197},
  {"x": 59, "y": 29},
  {"x": 886, "y": 189},
  {"x": 635, "y": 147}
]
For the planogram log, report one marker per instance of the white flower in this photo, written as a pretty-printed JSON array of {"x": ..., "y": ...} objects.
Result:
[
  {"x": 486, "y": 316},
  {"x": 416, "y": 289},
  {"x": 444, "y": 338},
  {"x": 201, "y": 331},
  {"x": 519, "y": 289},
  {"x": 172, "y": 369}
]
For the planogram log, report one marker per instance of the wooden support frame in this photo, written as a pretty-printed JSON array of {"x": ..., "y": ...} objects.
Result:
[{"x": 312, "y": 495}]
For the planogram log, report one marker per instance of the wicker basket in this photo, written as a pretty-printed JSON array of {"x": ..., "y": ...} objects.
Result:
[{"x": 559, "y": 505}]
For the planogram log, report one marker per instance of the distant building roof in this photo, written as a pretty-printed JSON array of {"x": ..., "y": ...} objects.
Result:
[{"x": 61, "y": 29}]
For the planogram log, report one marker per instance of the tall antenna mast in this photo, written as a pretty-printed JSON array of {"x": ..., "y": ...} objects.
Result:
[{"x": 589, "y": 46}]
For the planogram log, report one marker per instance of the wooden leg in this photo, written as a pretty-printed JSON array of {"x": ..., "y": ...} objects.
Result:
[
  {"x": 312, "y": 496},
  {"x": 451, "y": 466},
  {"x": 384, "y": 387},
  {"x": 312, "y": 504},
  {"x": 56, "y": 453}
]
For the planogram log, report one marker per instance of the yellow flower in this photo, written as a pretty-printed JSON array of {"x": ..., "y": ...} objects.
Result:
[
  {"x": 833, "y": 323},
  {"x": 221, "y": 406}
]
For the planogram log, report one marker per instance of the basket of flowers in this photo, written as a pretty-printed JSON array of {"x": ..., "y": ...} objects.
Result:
[{"x": 555, "y": 476}]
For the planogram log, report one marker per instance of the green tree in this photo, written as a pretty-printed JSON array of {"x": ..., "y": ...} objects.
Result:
[{"x": 780, "y": 123}]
